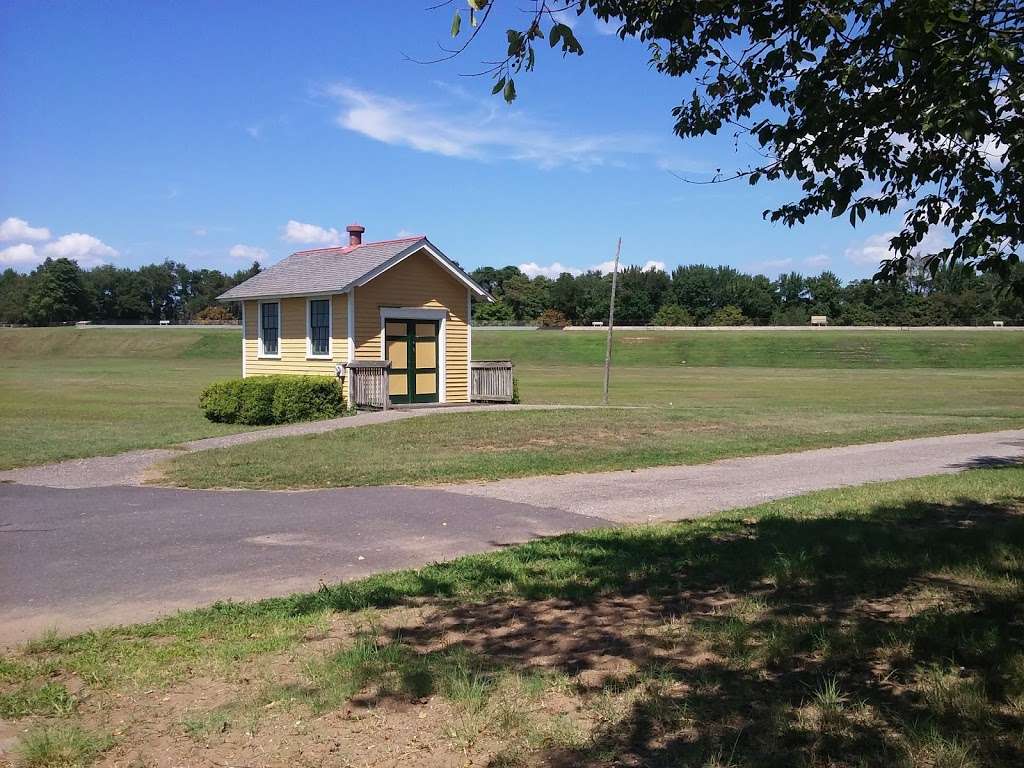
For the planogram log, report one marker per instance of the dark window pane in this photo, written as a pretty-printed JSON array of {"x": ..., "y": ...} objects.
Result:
[
  {"x": 320, "y": 327},
  {"x": 268, "y": 320}
]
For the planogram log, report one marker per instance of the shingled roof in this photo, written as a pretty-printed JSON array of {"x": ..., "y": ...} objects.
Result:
[{"x": 335, "y": 270}]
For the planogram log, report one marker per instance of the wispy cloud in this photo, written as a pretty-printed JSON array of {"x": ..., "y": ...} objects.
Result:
[
  {"x": 247, "y": 252},
  {"x": 770, "y": 264},
  {"x": 87, "y": 250},
  {"x": 310, "y": 234},
  {"x": 461, "y": 127},
  {"x": 606, "y": 27},
  {"x": 818, "y": 261},
  {"x": 13, "y": 228}
]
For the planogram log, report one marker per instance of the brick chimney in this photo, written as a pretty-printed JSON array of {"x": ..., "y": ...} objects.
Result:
[{"x": 355, "y": 234}]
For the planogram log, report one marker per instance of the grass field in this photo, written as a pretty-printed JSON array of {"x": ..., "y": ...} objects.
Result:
[
  {"x": 879, "y": 625},
  {"x": 765, "y": 393},
  {"x": 68, "y": 393}
]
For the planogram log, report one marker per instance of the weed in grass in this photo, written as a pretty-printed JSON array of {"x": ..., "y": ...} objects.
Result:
[
  {"x": 48, "y": 641},
  {"x": 953, "y": 693},
  {"x": 50, "y": 699},
  {"x": 928, "y": 746},
  {"x": 65, "y": 746}
]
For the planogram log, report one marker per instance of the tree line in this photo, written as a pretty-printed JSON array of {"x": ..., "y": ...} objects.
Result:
[
  {"x": 700, "y": 294},
  {"x": 59, "y": 291}
]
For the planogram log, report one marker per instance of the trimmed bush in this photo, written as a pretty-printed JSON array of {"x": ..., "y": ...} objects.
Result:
[
  {"x": 257, "y": 406},
  {"x": 222, "y": 400},
  {"x": 272, "y": 399},
  {"x": 303, "y": 398}
]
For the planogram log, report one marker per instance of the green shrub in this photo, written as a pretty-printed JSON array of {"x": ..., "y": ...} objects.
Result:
[
  {"x": 272, "y": 399},
  {"x": 222, "y": 400},
  {"x": 257, "y": 406},
  {"x": 672, "y": 314},
  {"x": 302, "y": 398}
]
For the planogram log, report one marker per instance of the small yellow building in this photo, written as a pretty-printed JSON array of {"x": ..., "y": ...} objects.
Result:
[{"x": 402, "y": 301}]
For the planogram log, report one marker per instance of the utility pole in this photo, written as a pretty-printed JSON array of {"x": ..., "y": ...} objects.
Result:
[{"x": 611, "y": 323}]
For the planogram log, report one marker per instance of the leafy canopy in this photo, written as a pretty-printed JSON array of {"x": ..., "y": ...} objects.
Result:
[{"x": 872, "y": 106}]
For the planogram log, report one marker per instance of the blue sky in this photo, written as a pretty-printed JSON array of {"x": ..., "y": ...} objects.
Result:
[{"x": 212, "y": 133}]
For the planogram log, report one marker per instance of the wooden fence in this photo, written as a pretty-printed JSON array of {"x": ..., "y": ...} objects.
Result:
[
  {"x": 370, "y": 383},
  {"x": 492, "y": 381}
]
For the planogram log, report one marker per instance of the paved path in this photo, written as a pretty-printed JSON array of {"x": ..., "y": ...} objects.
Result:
[
  {"x": 674, "y": 493},
  {"x": 93, "y": 556}
]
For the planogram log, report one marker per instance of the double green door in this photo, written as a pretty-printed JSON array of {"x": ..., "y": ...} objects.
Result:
[{"x": 413, "y": 350}]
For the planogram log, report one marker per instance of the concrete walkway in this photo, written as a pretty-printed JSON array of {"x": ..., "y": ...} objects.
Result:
[
  {"x": 74, "y": 559},
  {"x": 676, "y": 493},
  {"x": 130, "y": 468}
]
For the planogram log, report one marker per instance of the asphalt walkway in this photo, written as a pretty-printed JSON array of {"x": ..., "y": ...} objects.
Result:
[{"x": 84, "y": 557}]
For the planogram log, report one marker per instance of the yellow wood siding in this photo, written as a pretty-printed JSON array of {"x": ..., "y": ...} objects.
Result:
[
  {"x": 418, "y": 281},
  {"x": 292, "y": 344}
]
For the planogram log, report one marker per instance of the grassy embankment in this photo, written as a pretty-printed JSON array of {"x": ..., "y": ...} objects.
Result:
[
  {"x": 67, "y": 393},
  {"x": 879, "y": 625},
  {"x": 705, "y": 395}
]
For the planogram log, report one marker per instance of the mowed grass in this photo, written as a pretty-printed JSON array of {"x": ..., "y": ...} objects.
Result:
[
  {"x": 68, "y": 393},
  {"x": 677, "y": 413},
  {"x": 879, "y": 625}
]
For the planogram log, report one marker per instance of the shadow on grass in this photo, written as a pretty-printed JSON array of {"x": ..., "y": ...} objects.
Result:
[{"x": 890, "y": 637}]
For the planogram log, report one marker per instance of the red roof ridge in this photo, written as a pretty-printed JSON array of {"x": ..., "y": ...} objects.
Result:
[{"x": 350, "y": 248}]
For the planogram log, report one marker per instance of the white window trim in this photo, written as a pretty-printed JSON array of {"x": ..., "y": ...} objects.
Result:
[
  {"x": 418, "y": 313},
  {"x": 259, "y": 331},
  {"x": 330, "y": 328},
  {"x": 243, "y": 339}
]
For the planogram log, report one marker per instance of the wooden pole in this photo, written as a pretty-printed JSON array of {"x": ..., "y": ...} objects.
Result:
[{"x": 611, "y": 323}]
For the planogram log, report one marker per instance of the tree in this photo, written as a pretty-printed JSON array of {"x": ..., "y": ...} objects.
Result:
[
  {"x": 729, "y": 315},
  {"x": 55, "y": 294},
  {"x": 871, "y": 106},
  {"x": 672, "y": 314},
  {"x": 14, "y": 288},
  {"x": 498, "y": 312}
]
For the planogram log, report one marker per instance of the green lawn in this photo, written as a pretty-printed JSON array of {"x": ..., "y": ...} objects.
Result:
[
  {"x": 68, "y": 393},
  {"x": 879, "y": 625},
  {"x": 691, "y": 414}
]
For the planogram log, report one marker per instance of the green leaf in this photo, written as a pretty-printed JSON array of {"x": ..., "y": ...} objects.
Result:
[
  {"x": 510, "y": 91},
  {"x": 554, "y": 34},
  {"x": 472, "y": 18},
  {"x": 498, "y": 86},
  {"x": 456, "y": 24}
]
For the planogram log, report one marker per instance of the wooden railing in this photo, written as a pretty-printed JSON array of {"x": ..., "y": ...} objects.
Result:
[
  {"x": 370, "y": 383},
  {"x": 492, "y": 381}
]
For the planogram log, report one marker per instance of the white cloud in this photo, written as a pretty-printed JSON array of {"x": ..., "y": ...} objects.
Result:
[
  {"x": 875, "y": 249},
  {"x": 553, "y": 270},
  {"x": 18, "y": 229},
  {"x": 610, "y": 27},
  {"x": 23, "y": 253},
  {"x": 247, "y": 252},
  {"x": 310, "y": 234},
  {"x": 468, "y": 129},
  {"x": 872, "y": 251},
  {"x": 200, "y": 231},
  {"x": 87, "y": 250},
  {"x": 818, "y": 261}
]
